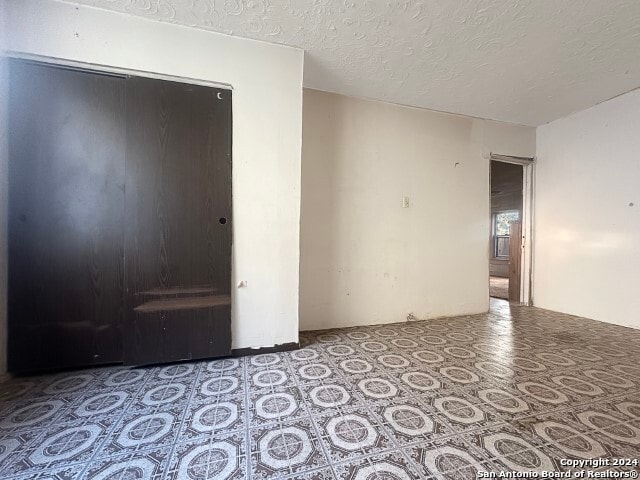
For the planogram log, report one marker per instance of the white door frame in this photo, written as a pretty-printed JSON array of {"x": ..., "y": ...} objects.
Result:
[{"x": 526, "y": 267}]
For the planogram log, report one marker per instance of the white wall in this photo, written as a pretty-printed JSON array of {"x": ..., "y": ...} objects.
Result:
[
  {"x": 587, "y": 241},
  {"x": 365, "y": 259},
  {"x": 267, "y": 123}
]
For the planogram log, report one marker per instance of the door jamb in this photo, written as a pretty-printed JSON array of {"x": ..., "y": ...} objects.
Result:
[{"x": 528, "y": 197}]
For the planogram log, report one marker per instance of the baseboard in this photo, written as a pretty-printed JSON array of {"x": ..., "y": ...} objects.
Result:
[
  {"x": 236, "y": 352},
  {"x": 282, "y": 347}
]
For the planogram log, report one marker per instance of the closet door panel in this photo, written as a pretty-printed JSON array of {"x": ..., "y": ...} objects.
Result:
[
  {"x": 178, "y": 220},
  {"x": 66, "y": 217}
]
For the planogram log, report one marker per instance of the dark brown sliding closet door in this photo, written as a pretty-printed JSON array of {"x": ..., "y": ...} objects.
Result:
[
  {"x": 119, "y": 219},
  {"x": 178, "y": 222},
  {"x": 66, "y": 205}
]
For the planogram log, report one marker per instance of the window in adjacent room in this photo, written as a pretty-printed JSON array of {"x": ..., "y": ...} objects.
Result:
[{"x": 501, "y": 222}]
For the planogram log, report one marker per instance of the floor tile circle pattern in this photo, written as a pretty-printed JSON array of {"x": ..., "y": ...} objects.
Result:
[
  {"x": 432, "y": 340},
  {"x": 377, "y": 388},
  {"x": 145, "y": 429},
  {"x": 555, "y": 359},
  {"x": 329, "y": 395},
  {"x": 209, "y": 462},
  {"x": 528, "y": 364},
  {"x": 582, "y": 355},
  {"x": 215, "y": 416},
  {"x": 623, "y": 433},
  {"x": 281, "y": 448},
  {"x": 386, "y": 332},
  {"x": 631, "y": 409},
  {"x": 304, "y": 354},
  {"x": 164, "y": 394},
  {"x": 577, "y": 385},
  {"x": 610, "y": 426},
  {"x": 224, "y": 365},
  {"x": 486, "y": 348},
  {"x": 137, "y": 469},
  {"x": 276, "y": 405},
  {"x": 459, "y": 337},
  {"x": 393, "y": 361},
  {"x": 459, "y": 352},
  {"x": 32, "y": 414},
  {"x": 358, "y": 335},
  {"x": 329, "y": 338},
  {"x": 459, "y": 410},
  {"x": 438, "y": 327},
  {"x": 503, "y": 401},
  {"x": 543, "y": 392},
  {"x": 351, "y": 432},
  {"x": 459, "y": 375},
  {"x": 604, "y": 350},
  {"x": 356, "y": 366},
  {"x": 518, "y": 454},
  {"x": 340, "y": 350},
  {"x": 628, "y": 369},
  {"x": 408, "y": 419},
  {"x": 124, "y": 377},
  {"x": 412, "y": 330},
  {"x": 373, "y": 346},
  {"x": 270, "y": 378},
  {"x": 420, "y": 381},
  {"x": 569, "y": 440},
  {"x": 428, "y": 356},
  {"x": 314, "y": 371},
  {"x": 176, "y": 371},
  {"x": 68, "y": 384},
  {"x": 494, "y": 369},
  {"x": 101, "y": 404},
  {"x": 65, "y": 444},
  {"x": 609, "y": 378},
  {"x": 381, "y": 471},
  {"x": 265, "y": 360},
  {"x": 404, "y": 343},
  {"x": 452, "y": 459},
  {"x": 220, "y": 385}
]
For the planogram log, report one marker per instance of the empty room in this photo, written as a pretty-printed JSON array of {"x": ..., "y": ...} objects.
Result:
[{"x": 329, "y": 240}]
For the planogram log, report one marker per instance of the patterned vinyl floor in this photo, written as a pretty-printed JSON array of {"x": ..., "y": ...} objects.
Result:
[{"x": 515, "y": 389}]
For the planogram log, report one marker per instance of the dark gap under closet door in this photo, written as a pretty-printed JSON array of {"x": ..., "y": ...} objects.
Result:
[
  {"x": 178, "y": 222},
  {"x": 66, "y": 204}
]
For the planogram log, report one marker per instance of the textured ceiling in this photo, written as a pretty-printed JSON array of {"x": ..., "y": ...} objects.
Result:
[{"x": 521, "y": 61}]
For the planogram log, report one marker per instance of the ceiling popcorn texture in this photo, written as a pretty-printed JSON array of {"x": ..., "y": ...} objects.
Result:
[{"x": 520, "y": 61}]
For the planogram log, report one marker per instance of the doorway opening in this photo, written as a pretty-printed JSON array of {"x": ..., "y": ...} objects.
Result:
[{"x": 509, "y": 269}]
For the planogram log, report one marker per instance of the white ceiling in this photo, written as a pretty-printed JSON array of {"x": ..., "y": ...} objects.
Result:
[{"x": 520, "y": 61}]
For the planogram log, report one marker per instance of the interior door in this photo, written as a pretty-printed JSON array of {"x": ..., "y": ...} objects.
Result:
[
  {"x": 66, "y": 204},
  {"x": 178, "y": 222},
  {"x": 515, "y": 255}
]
